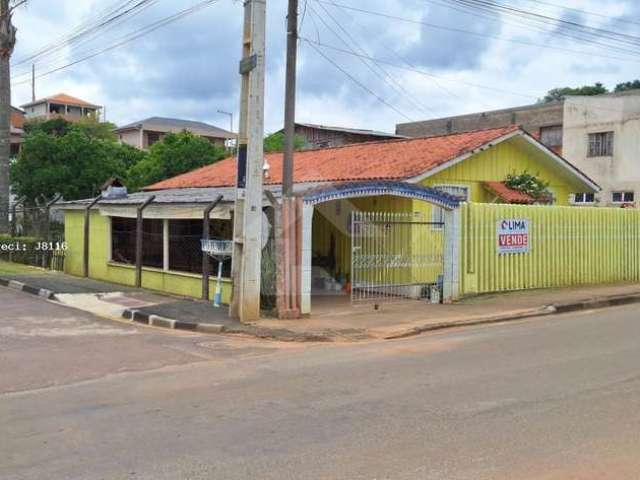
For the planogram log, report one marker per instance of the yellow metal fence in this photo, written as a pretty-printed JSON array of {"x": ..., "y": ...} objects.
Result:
[{"x": 567, "y": 246}]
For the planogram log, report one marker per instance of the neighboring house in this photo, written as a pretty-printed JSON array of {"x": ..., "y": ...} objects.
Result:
[
  {"x": 423, "y": 178},
  {"x": 602, "y": 137},
  {"x": 17, "y": 130},
  {"x": 322, "y": 136},
  {"x": 61, "y": 105},
  {"x": 144, "y": 133},
  {"x": 543, "y": 121},
  {"x": 599, "y": 134}
]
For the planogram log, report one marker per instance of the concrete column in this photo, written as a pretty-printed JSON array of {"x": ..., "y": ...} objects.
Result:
[
  {"x": 305, "y": 267},
  {"x": 165, "y": 245},
  {"x": 452, "y": 239}
]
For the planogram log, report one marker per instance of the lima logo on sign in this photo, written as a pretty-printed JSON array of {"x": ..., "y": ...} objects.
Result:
[{"x": 513, "y": 225}]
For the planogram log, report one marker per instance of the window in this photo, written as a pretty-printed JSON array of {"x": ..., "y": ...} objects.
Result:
[
  {"x": 152, "y": 137},
  {"x": 551, "y": 136},
  {"x": 584, "y": 198},
  {"x": 185, "y": 253},
  {"x": 600, "y": 144},
  {"x": 123, "y": 241},
  {"x": 459, "y": 191},
  {"x": 623, "y": 197}
]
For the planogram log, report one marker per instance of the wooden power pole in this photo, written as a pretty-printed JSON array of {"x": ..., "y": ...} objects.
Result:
[
  {"x": 247, "y": 221},
  {"x": 290, "y": 99}
]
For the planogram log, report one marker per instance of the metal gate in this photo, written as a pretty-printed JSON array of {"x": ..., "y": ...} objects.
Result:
[{"x": 395, "y": 256}]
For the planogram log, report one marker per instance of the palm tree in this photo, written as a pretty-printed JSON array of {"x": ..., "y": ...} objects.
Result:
[{"x": 7, "y": 43}]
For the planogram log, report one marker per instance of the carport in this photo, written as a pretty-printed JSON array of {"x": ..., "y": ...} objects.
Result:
[{"x": 378, "y": 242}]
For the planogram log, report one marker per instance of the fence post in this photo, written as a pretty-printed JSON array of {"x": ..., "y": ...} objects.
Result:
[
  {"x": 85, "y": 251},
  {"x": 13, "y": 215},
  {"x": 205, "y": 257},
  {"x": 139, "y": 225},
  {"x": 451, "y": 271},
  {"x": 47, "y": 213}
]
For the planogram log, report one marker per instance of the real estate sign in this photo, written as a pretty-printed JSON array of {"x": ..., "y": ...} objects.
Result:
[{"x": 513, "y": 236}]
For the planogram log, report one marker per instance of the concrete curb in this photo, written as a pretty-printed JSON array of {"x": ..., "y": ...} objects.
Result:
[
  {"x": 162, "y": 322},
  {"x": 291, "y": 336},
  {"x": 558, "y": 308},
  {"x": 215, "y": 328},
  {"x": 15, "y": 285},
  {"x": 509, "y": 317}
]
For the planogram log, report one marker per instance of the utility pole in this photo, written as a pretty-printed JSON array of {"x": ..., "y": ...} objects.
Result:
[
  {"x": 288, "y": 246},
  {"x": 290, "y": 99},
  {"x": 247, "y": 221},
  {"x": 33, "y": 82}
]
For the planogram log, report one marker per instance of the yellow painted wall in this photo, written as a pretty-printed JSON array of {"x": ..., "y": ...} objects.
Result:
[
  {"x": 493, "y": 164},
  {"x": 100, "y": 268},
  {"x": 568, "y": 246}
]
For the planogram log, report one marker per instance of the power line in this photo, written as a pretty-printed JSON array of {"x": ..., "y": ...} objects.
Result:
[
  {"x": 134, "y": 36},
  {"x": 585, "y": 12},
  {"x": 415, "y": 70},
  {"x": 495, "y": 16},
  {"x": 562, "y": 28},
  {"x": 47, "y": 58},
  {"x": 469, "y": 32},
  {"x": 101, "y": 20},
  {"x": 355, "y": 80},
  {"x": 404, "y": 60},
  {"x": 384, "y": 76}
]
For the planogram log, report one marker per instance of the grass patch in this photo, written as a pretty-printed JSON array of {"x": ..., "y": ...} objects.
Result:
[{"x": 10, "y": 268}]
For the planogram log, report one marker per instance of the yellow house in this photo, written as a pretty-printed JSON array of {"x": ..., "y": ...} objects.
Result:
[{"x": 378, "y": 218}]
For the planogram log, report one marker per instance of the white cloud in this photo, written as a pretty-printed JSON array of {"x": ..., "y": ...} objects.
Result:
[{"x": 189, "y": 69}]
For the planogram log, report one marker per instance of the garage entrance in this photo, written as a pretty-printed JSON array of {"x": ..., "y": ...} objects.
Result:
[
  {"x": 378, "y": 242},
  {"x": 395, "y": 257}
]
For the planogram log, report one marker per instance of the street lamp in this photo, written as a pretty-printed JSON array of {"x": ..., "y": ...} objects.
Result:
[{"x": 230, "y": 143}]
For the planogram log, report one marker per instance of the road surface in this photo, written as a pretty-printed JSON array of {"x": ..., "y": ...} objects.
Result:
[{"x": 550, "y": 398}]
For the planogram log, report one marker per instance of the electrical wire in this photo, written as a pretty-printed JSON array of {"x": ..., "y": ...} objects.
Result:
[
  {"x": 469, "y": 32},
  {"x": 133, "y": 36}
]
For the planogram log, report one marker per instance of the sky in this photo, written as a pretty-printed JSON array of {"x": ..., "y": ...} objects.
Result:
[{"x": 189, "y": 69}]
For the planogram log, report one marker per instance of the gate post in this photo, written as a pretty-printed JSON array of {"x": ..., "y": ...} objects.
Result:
[
  {"x": 306, "y": 253},
  {"x": 451, "y": 270}
]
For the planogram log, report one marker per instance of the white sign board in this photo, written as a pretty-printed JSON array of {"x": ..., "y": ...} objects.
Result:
[{"x": 513, "y": 236}]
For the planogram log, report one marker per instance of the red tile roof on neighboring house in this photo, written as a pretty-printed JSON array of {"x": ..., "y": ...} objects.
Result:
[
  {"x": 64, "y": 99},
  {"x": 385, "y": 160},
  {"x": 507, "y": 194}
]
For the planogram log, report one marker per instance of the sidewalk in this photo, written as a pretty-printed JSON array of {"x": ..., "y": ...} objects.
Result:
[{"x": 333, "y": 319}]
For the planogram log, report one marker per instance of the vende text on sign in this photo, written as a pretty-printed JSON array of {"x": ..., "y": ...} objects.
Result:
[{"x": 513, "y": 236}]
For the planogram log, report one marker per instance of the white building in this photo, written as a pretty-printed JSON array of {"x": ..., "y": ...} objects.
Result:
[{"x": 601, "y": 136}]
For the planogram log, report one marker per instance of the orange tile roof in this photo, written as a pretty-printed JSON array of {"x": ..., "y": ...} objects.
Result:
[
  {"x": 384, "y": 160},
  {"x": 65, "y": 99},
  {"x": 507, "y": 194}
]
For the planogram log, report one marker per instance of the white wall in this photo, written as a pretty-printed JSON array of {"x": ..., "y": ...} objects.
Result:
[{"x": 619, "y": 113}]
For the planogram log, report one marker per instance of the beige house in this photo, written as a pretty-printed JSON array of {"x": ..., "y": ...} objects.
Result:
[
  {"x": 601, "y": 136},
  {"x": 60, "y": 106},
  {"x": 146, "y": 132}
]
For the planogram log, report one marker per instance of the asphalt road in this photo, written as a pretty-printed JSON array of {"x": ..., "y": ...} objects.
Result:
[{"x": 552, "y": 398}]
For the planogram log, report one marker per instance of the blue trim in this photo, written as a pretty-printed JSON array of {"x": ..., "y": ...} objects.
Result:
[{"x": 370, "y": 189}]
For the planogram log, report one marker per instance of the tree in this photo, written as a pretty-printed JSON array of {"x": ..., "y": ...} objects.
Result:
[
  {"x": 559, "y": 93},
  {"x": 59, "y": 157},
  {"x": 623, "y": 87},
  {"x": 7, "y": 44},
  {"x": 176, "y": 153},
  {"x": 275, "y": 142}
]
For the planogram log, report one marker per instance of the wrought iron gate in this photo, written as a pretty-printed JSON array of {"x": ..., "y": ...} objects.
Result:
[{"x": 395, "y": 256}]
